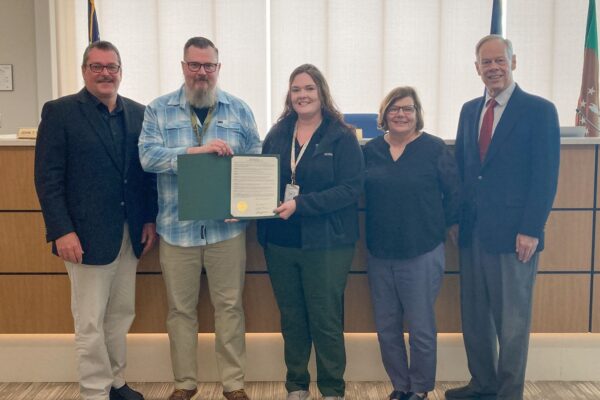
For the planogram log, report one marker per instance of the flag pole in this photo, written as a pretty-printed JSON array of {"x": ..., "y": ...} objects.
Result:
[{"x": 93, "y": 31}]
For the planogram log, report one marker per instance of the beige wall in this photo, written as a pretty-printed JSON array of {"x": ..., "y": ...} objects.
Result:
[{"x": 19, "y": 108}]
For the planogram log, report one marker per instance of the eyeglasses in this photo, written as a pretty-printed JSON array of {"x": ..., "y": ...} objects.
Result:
[
  {"x": 196, "y": 66},
  {"x": 405, "y": 109},
  {"x": 110, "y": 68}
]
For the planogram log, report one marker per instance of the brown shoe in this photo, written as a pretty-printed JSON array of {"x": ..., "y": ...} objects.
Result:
[
  {"x": 239, "y": 394},
  {"x": 184, "y": 394}
]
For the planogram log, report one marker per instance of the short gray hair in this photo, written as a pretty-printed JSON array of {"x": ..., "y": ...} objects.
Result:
[
  {"x": 100, "y": 45},
  {"x": 485, "y": 39}
]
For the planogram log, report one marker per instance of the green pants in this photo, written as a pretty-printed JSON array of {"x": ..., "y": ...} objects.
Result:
[{"x": 309, "y": 287}]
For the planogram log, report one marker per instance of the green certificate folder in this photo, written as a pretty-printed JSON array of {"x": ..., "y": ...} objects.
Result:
[{"x": 206, "y": 190}]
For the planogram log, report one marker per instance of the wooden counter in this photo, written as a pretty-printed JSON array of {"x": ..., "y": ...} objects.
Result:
[{"x": 36, "y": 294}]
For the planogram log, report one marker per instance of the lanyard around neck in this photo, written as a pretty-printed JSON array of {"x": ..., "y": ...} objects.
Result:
[
  {"x": 293, "y": 161},
  {"x": 199, "y": 132}
]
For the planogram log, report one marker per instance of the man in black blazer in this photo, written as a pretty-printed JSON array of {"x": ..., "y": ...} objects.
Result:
[
  {"x": 507, "y": 149},
  {"x": 99, "y": 207}
]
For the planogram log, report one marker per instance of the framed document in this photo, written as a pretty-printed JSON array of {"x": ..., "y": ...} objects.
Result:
[
  {"x": 6, "y": 77},
  {"x": 214, "y": 187}
]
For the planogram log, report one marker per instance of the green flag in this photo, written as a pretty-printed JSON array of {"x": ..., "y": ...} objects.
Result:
[{"x": 587, "y": 106}]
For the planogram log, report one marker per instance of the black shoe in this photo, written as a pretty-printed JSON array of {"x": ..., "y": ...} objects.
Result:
[
  {"x": 399, "y": 395},
  {"x": 396, "y": 395},
  {"x": 468, "y": 393},
  {"x": 125, "y": 393}
]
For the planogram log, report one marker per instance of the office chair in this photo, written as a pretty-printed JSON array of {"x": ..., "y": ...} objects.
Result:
[{"x": 365, "y": 124}]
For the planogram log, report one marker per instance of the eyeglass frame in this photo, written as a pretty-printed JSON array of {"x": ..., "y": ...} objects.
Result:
[
  {"x": 202, "y": 65},
  {"x": 408, "y": 109},
  {"x": 102, "y": 67}
]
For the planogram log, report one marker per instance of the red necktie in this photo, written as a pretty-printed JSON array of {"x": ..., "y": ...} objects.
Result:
[{"x": 485, "y": 135}]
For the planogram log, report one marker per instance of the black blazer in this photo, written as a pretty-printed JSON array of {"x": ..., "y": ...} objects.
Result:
[
  {"x": 512, "y": 192},
  {"x": 81, "y": 186}
]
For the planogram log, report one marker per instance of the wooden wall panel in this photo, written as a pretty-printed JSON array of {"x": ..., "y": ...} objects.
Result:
[
  {"x": 16, "y": 179},
  {"x": 576, "y": 177},
  {"x": 150, "y": 262},
  {"x": 41, "y": 303},
  {"x": 262, "y": 313},
  {"x": 35, "y": 304},
  {"x": 451, "y": 256},
  {"x": 359, "y": 263},
  {"x": 150, "y": 305},
  {"x": 255, "y": 259},
  {"x": 447, "y": 307},
  {"x": 358, "y": 309},
  {"x": 597, "y": 244},
  {"x": 23, "y": 246},
  {"x": 568, "y": 242},
  {"x": 596, "y": 305},
  {"x": 561, "y": 303},
  {"x": 558, "y": 304}
]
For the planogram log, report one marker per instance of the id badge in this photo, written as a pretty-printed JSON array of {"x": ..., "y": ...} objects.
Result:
[{"x": 291, "y": 191}]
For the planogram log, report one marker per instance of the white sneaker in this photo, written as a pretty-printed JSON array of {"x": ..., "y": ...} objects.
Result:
[
  {"x": 333, "y": 398},
  {"x": 298, "y": 395}
]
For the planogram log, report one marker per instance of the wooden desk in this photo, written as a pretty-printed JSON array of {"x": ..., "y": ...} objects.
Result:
[{"x": 35, "y": 287}]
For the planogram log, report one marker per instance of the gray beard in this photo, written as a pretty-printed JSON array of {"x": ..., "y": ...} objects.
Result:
[{"x": 201, "y": 98}]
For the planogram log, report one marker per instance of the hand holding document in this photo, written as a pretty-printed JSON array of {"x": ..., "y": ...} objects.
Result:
[
  {"x": 254, "y": 186},
  {"x": 225, "y": 188}
]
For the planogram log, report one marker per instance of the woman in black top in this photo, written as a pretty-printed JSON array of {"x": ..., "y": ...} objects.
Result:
[
  {"x": 309, "y": 249},
  {"x": 411, "y": 192}
]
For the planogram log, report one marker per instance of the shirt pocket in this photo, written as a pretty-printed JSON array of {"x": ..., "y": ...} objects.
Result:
[
  {"x": 179, "y": 134},
  {"x": 230, "y": 132}
]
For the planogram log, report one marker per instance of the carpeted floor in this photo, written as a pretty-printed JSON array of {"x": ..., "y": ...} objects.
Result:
[{"x": 276, "y": 391}]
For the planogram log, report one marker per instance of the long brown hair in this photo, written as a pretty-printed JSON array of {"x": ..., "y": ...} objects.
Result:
[{"x": 328, "y": 107}]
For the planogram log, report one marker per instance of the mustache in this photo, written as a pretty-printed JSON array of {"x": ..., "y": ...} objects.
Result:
[{"x": 102, "y": 79}]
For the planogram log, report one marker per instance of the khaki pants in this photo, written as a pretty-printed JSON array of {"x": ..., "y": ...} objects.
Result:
[
  {"x": 103, "y": 307},
  {"x": 225, "y": 264}
]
